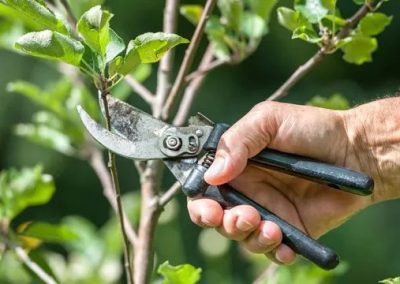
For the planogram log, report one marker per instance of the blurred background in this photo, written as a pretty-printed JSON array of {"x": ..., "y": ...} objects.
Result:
[{"x": 368, "y": 243}]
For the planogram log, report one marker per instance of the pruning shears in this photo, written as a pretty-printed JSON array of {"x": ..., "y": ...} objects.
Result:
[{"x": 189, "y": 151}]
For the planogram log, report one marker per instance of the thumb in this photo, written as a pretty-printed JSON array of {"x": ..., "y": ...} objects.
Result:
[{"x": 245, "y": 139}]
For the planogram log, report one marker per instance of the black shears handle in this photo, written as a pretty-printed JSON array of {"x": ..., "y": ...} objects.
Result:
[{"x": 310, "y": 169}]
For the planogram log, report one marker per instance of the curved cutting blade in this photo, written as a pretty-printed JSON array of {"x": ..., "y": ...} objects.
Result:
[{"x": 143, "y": 147}]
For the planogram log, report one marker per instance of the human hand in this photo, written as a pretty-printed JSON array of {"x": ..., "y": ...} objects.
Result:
[{"x": 326, "y": 135}]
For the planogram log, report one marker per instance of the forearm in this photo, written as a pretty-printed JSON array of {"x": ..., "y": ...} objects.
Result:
[{"x": 374, "y": 141}]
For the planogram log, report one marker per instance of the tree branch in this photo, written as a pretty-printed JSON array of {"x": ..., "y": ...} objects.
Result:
[
  {"x": 191, "y": 90},
  {"x": 33, "y": 266},
  {"x": 114, "y": 177},
  {"x": 150, "y": 211},
  {"x": 304, "y": 69},
  {"x": 169, "y": 194},
  {"x": 166, "y": 63},
  {"x": 98, "y": 164},
  {"x": 207, "y": 69},
  {"x": 140, "y": 89},
  {"x": 189, "y": 56}
]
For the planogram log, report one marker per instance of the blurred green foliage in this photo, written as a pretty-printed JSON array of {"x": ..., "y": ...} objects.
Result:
[{"x": 88, "y": 248}]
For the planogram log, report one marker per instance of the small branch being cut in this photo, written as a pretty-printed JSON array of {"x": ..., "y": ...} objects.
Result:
[
  {"x": 304, "y": 69},
  {"x": 33, "y": 266},
  {"x": 191, "y": 90},
  {"x": 140, "y": 89},
  {"x": 169, "y": 194},
  {"x": 114, "y": 176},
  {"x": 188, "y": 59}
]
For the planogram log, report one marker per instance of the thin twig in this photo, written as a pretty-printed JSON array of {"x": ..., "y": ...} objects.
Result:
[
  {"x": 268, "y": 274},
  {"x": 97, "y": 162},
  {"x": 140, "y": 89},
  {"x": 201, "y": 71},
  {"x": 114, "y": 176},
  {"x": 166, "y": 63},
  {"x": 192, "y": 88},
  {"x": 33, "y": 266},
  {"x": 169, "y": 194},
  {"x": 304, "y": 69},
  {"x": 189, "y": 56}
]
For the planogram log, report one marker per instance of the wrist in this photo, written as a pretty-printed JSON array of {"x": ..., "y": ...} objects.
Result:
[{"x": 373, "y": 132}]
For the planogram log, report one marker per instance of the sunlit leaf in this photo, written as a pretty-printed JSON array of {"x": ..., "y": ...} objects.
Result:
[
  {"x": 181, "y": 274},
  {"x": 314, "y": 10},
  {"x": 78, "y": 7},
  {"x": 262, "y": 8},
  {"x": 232, "y": 11},
  {"x": 253, "y": 26},
  {"x": 148, "y": 48},
  {"x": 38, "y": 12},
  {"x": 391, "y": 281},
  {"x": 336, "y": 101},
  {"x": 94, "y": 27},
  {"x": 216, "y": 34},
  {"x": 191, "y": 12},
  {"x": 115, "y": 47},
  {"x": 374, "y": 23},
  {"x": 358, "y": 49},
  {"x": 22, "y": 189},
  {"x": 47, "y": 137},
  {"x": 51, "y": 45},
  {"x": 306, "y": 34},
  {"x": 48, "y": 232},
  {"x": 291, "y": 19}
]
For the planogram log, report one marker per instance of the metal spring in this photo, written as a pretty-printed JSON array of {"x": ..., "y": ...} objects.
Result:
[{"x": 208, "y": 159}]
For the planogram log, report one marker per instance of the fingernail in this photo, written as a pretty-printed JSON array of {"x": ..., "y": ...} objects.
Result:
[
  {"x": 243, "y": 225},
  {"x": 206, "y": 223},
  {"x": 216, "y": 168},
  {"x": 265, "y": 236},
  {"x": 278, "y": 258}
]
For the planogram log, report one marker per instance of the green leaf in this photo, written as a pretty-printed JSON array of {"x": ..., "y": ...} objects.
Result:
[
  {"x": 115, "y": 46},
  {"x": 181, "y": 274},
  {"x": 49, "y": 232},
  {"x": 231, "y": 10},
  {"x": 306, "y": 34},
  {"x": 262, "y": 8},
  {"x": 358, "y": 49},
  {"x": 336, "y": 101},
  {"x": 360, "y": 2},
  {"x": 79, "y": 7},
  {"x": 148, "y": 48},
  {"x": 252, "y": 26},
  {"x": 192, "y": 13},
  {"x": 391, "y": 281},
  {"x": 314, "y": 10},
  {"x": 216, "y": 35},
  {"x": 51, "y": 45},
  {"x": 374, "y": 23},
  {"x": 38, "y": 12},
  {"x": 94, "y": 27},
  {"x": 336, "y": 20},
  {"x": 47, "y": 136},
  {"x": 22, "y": 189},
  {"x": 291, "y": 19}
]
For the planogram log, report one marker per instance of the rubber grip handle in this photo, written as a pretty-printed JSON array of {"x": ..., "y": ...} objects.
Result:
[
  {"x": 317, "y": 171},
  {"x": 302, "y": 244}
]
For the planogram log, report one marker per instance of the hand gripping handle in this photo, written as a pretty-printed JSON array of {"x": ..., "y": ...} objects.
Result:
[{"x": 302, "y": 244}]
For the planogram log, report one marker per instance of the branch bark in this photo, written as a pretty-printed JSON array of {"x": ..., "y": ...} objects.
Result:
[
  {"x": 304, "y": 69},
  {"x": 33, "y": 266},
  {"x": 167, "y": 62},
  {"x": 188, "y": 59},
  {"x": 140, "y": 89},
  {"x": 192, "y": 88}
]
